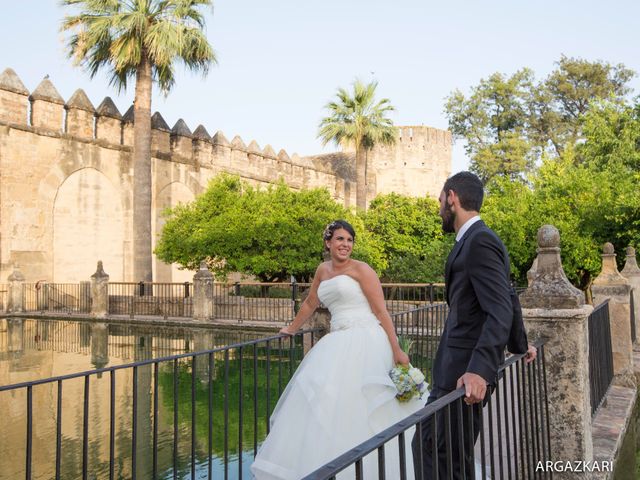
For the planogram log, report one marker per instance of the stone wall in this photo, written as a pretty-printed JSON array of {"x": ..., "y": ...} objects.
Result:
[{"x": 66, "y": 178}]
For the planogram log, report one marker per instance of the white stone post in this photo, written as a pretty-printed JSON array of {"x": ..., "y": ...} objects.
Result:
[
  {"x": 99, "y": 292},
  {"x": 614, "y": 287},
  {"x": 203, "y": 293},
  {"x": 555, "y": 311},
  {"x": 16, "y": 289},
  {"x": 632, "y": 273}
]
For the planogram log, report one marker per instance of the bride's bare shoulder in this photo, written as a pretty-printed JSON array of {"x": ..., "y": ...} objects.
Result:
[
  {"x": 322, "y": 271},
  {"x": 362, "y": 269}
]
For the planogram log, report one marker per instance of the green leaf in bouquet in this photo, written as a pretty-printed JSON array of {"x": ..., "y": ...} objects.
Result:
[{"x": 405, "y": 343}]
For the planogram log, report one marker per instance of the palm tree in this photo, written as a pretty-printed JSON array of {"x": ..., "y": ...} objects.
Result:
[
  {"x": 141, "y": 39},
  {"x": 358, "y": 120}
]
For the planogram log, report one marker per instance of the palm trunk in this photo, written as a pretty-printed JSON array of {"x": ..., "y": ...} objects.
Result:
[
  {"x": 142, "y": 256},
  {"x": 361, "y": 177}
]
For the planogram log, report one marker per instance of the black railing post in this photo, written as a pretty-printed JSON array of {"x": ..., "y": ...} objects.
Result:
[
  {"x": 294, "y": 297},
  {"x": 141, "y": 289},
  {"x": 186, "y": 289}
]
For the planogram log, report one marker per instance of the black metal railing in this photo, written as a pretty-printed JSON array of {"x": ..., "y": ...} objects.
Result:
[
  {"x": 513, "y": 434},
  {"x": 423, "y": 326},
  {"x": 258, "y": 301},
  {"x": 600, "y": 354},
  {"x": 192, "y": 415},
  {"x": 633, "y": 315},
  {"x": 57, "y": 297},
  {"x": 150, "y": 299},
  {"x": 251, "y": 301}
]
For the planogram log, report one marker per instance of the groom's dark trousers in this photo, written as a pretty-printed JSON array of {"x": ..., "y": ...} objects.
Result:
[
  {"x": 479, "y": 325},
  {"x": 461, "y": 445}
]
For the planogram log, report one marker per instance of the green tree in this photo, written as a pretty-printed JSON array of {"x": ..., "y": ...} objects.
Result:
[
  {"x": 272, "y": 233},
  {"x": 510, "y": 123},
  {"x": 565, "y": 96},
  {"x": 410, "y": 232},
  {"x": 588, "y": 203},
  {"x": 493, "y": 122},
  {"x": 141, "y": 39},
  {"x": 357, "y": 119}
]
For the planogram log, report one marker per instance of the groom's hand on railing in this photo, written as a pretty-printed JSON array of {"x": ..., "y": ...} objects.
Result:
[
  {"x": 531, "y": 354},
  {"x": 475, "y": 387}
]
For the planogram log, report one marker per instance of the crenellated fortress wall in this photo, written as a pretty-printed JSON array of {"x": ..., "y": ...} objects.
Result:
[{"x": 66, "y": 178}]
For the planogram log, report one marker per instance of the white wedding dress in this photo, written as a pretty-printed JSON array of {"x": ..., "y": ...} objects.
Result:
[{"x": 340, "y": 396}]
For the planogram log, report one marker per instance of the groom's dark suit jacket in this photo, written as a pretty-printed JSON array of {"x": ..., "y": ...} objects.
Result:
[{"x": 481, "y": 310}]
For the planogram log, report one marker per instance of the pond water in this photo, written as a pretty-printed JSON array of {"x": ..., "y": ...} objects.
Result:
[{"x": 199, "y": 431}]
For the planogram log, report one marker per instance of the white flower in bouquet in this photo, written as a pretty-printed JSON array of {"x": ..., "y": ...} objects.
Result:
[
  {"x": 416, "y": 375},
  {"x": 408, "y": 380}
]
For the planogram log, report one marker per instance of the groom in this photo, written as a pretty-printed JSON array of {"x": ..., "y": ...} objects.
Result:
[{"x": 479, "y": 325}]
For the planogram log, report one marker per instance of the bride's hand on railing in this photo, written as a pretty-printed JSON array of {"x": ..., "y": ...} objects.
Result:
[{"x": 287, "y": 331}]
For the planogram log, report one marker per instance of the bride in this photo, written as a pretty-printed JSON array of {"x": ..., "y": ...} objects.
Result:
[{"x": 341, "y": 394}]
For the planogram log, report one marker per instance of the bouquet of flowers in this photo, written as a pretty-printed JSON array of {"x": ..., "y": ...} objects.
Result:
[{"x": 409, "y": 381}]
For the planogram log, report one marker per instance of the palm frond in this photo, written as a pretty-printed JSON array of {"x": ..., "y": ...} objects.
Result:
[
  {"x": 356, "y": 118},
  {"x": 117, "y": 34}
]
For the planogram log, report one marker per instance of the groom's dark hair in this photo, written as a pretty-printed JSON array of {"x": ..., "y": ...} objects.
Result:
[{"x": 469, "y": 189}]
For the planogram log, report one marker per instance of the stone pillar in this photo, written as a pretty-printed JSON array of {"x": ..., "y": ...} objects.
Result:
[
  {"x": 555, "y": 311},
  {"x": 203, "y": 293},
  {"x": 99, "y": 344},
  {"x": 614, "y": 287},
  {"x": 531, "y": 274},
  {"x": 15, "y": 335},
  {"x": 632, "y": 273},
  {"x": 99, "y": 292},
  {"x": 16, "y": 289}
]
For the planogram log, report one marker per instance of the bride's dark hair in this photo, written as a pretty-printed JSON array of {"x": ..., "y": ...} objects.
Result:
[{"x": 337, "y": 225}]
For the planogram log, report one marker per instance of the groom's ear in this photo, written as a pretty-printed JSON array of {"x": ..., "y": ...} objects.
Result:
[{"x": 451, "y": 197}]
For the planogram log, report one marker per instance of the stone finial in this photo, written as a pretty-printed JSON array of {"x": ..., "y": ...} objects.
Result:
[
  {"x": 531, "y": 274},
  {"x": 220, "y": 139},
  {"x": 200, "y": 133},
  {"x": 631, "y": 265},
  {"x": 268, "y": 151},
  {"x": 158, "y": 122},
  {"x": 550, "y": 288},
  {"x": 254, "y": 148},
  {"x": 129, "y": 115},
  {"x": 283, "y": 156},
  {"x": 47, "y": 92},
  {"x": 181, "y": 129},
  {"x": 295, "y": 158},
  {"x": 203, "y": 272},
  {"x": 100, "y": 273},
  {"x": 238, "y": 143},
  {"x": 80, "y": 101},
  {"x": 609, "y": 275},
  {"x": 10, "y": 81},
  {"x": 16, "y": 276},
  {"x": 108, "y": 109}
]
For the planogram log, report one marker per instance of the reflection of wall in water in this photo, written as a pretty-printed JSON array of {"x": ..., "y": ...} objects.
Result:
[{"x": 33, "y": 349}]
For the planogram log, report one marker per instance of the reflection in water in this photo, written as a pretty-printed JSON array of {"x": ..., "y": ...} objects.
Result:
[{"x": 196, "y": 413}]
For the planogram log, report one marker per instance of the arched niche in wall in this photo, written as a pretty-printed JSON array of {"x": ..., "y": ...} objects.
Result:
[{"x": 88, "y": 226}]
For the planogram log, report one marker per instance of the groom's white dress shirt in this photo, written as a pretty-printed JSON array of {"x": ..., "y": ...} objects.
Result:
[{"x": 466, "y": 226}]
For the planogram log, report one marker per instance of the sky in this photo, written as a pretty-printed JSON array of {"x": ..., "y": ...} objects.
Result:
[{"x": 280, "y": 62}]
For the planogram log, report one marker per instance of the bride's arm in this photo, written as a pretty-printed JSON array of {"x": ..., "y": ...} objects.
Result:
[
  {"x": 308, "y": 306},
  {"x": 372, "y": 289}
]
